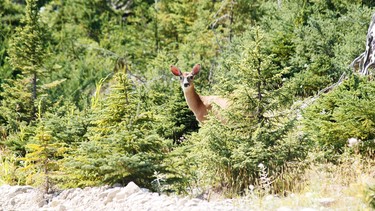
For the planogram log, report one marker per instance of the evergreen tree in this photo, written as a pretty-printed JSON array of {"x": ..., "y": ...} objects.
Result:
[
  {"x": 123, "y": 146},
  {"x": 18, "y": 100},
  {"x": 26, "y": 54},
  {"x": 41, "y": 162},
  {"x": 344, "y": 113},
  {"x": 10, "y": 15},
  {"x": 82, "y": 34},
  {"x": 299, "y": 48},
  {"x": 256, "y": 126}
]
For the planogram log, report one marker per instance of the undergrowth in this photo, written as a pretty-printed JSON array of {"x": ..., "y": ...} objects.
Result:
[
  {"x": 348, "y": 184},
  {"x": 8, "y": 167}
]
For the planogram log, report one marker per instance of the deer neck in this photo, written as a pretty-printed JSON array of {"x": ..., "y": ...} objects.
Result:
[{"x": 195, "y": 103}]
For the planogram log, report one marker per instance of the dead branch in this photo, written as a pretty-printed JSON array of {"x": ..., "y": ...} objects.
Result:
[{"x": 366, "y": 60}]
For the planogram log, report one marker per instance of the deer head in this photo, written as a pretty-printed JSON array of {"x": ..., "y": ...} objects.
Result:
[{"x": 186, "y": 78}]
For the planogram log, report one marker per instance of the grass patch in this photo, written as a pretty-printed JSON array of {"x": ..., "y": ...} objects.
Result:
[{"x": 346, "y": 185}]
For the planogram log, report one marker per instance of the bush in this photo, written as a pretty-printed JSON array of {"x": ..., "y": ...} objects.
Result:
[
  {"x": 255, "y": 126},
  {"x": 344, "y": 113},
  {"x": 122, "y": 143}
]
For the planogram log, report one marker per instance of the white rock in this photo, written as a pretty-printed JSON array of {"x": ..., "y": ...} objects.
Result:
[
  {"x": 111, "y": 195},
  {"x": 103, "y": 195},
  {"x": 62, "y": 208},
  {"x": 54, "y": 203},
  {"x": 182, "y": 202},
  {"x": 132, "y": 188},
  {"x": 145, "y": 190},
  {"x": 121, "y": 195},
  {"x": 308, "y": 209},
  {"x": 126, "y": 198},
  {"x": 284, "y": 209},
  {"x": 326, "y": 201}
]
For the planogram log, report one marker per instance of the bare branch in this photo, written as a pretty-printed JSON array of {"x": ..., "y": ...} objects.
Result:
[{"x": 366, "y": 60}]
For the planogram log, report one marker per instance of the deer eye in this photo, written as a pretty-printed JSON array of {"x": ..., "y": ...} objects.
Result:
[
  {"x": 190, "y": 77},
  {"x": 180, "y": 77}
]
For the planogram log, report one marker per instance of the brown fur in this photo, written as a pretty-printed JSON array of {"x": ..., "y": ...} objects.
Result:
[{"x": 200, "y": 105}]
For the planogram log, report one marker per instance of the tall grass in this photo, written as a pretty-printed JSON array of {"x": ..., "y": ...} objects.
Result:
[{"x": 348, "y": 184}]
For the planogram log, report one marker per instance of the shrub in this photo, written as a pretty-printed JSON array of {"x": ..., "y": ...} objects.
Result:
[{"x": 344, "y": 113}]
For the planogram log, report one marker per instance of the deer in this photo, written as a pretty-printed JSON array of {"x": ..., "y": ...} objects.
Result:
[{"x": 199, "y": 105}]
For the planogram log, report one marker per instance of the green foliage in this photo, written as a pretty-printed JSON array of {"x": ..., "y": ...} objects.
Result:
[
  {"x": 307, "y": 42},
  {"x": 175, "y": 119},
  {"x": 23, "y": 87},
  {"x": 10, "y": 15},
  {"x": 87, "y": 97},
  {"x": 78, "y": 44},
  {"x": 255, "y": 128},
  {"x": 122, "y": 144},
  {"x": 26, "y": 48},
  {"x": 344, "y": 113},
  {"x": 15, "y": 106},
  {"x": 26, "y": 56},
  {"x": 40, "y": 163},
  {"x": 162, "y": 93},
  {"x": 8, "y": 167}
]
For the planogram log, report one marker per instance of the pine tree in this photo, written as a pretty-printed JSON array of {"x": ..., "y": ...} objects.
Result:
[
  {"x": 10, "y": 16},
  {"x": 255, "y": 125},
  {"x": 122, "y": 144},
  {"x": 41, "y": 162},
  {"x": 344, "y": 113},
  {"x": 26, "y": 54},
  {"x": 18, "y": 100}
]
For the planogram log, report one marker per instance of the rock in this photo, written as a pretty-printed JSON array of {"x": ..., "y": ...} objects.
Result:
[
  {"x": 182, "y": 202},
  {"x": 308, "y": 209},
  {"x": 326, "y": 202},
  {"x": 145, "y": 190},
  {"x": 121, "y": 195},
  {"x": 62, "y": 208},
  {"x": 129, "y": 198},
  {"x": 132, "y": 188},
  {"x": 64, "y": 195},
  {"x": 103, "y": 195},
  {"x": 117, "y": 185},
  {"x": 284, "y": 209},
  {"x": 55, "y": 203},
  {"x": 111, "y": 195}
]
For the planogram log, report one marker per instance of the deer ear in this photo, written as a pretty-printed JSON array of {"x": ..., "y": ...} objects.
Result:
[
  {"x": 196, "y": 69},
  {"x": 175, "y": 70}
]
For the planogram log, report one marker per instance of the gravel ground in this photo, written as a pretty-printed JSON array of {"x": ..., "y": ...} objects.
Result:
[
  {"x": 132, "y": 197},
  {"x": 127, "y": 198}
]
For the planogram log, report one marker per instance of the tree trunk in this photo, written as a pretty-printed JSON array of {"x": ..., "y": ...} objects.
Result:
[
  {"x": 367, "y": 59},
  {"x": 33, "y": 96},
  {"x": 231, "y": 21},
  {"x": 156, "y": 32},
  {"x": 259, "y": 92}
]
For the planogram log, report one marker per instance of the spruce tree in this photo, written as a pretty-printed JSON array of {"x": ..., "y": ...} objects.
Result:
[
  {"x": 344, "y": 113},
  {"x": 122, "y": 143},
  {"x": 41, "y": 162},
  {"x": 255, "y": 122},
  {"x": 26, "y": 55},
  {"x": 18, "y": 100}
]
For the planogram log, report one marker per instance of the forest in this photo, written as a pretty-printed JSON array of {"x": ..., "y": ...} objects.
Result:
[{"x": 87, "y": 97}]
